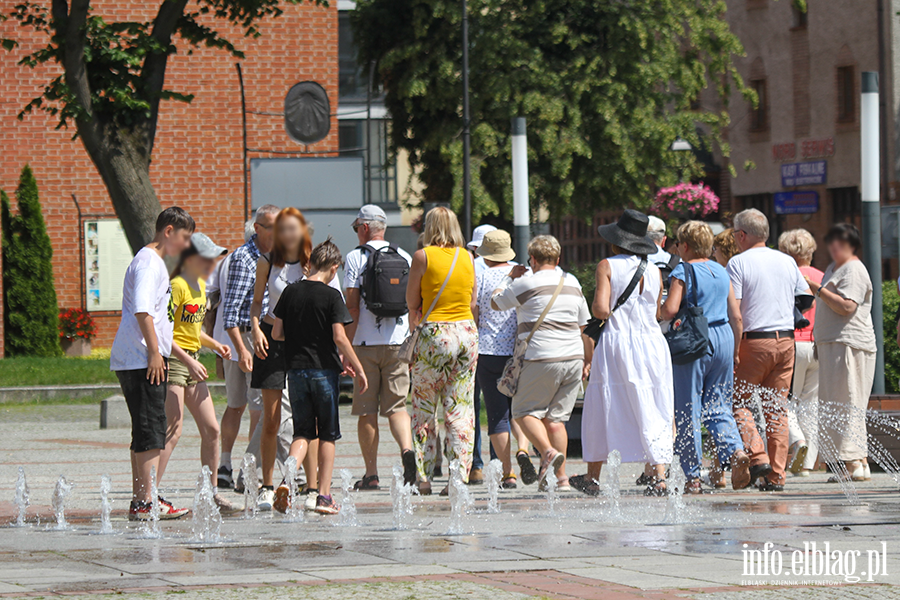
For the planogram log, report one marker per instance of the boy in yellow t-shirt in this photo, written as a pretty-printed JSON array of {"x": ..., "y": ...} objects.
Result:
[{"x": 187, "y": 375}]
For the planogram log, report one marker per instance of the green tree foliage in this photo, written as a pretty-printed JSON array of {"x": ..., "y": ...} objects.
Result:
[
  {"x": 606, "y": 88},
  {"x": 31, "y": 313},
  {"x": 112, "y": 82},
  {"x": 891, "y": 303}
]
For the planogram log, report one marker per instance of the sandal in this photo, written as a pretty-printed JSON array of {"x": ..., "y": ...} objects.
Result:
[
  {"x": 526, "y": 469},
  {"x": 424, "y": 488},
  {"x": 656, "y": 487},
  {"x": 643, "y": 480},
  {"x": 585, "y": 485},
  {"x": 509, "y": 482},
  {"x": 563, "y": 485},
  {"x": 694, "y": 486},
  {"x": 369, "y": 483}
]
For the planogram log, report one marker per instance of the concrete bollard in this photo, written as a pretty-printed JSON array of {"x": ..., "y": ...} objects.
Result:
[{"x": 114, "y": 413}]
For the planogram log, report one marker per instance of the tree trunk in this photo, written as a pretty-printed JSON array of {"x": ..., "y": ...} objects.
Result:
[{"x": 123, "y": 161}]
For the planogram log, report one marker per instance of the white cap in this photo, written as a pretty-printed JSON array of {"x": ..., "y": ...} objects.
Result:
[
  {"x": 656, "y": 225},
  {"x": 370, "y": 212},
  {"x": 478, "y": 235}
]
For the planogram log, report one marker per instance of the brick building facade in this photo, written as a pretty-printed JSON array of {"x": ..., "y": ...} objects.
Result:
[
  {"x": 198, "y": 155},
  {"x": 799, "y": 149}
]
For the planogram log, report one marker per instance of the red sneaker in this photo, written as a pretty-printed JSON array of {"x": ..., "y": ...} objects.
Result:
[
  {"x": 139, "y": 511},
  {"x": 168, "y": 512}
]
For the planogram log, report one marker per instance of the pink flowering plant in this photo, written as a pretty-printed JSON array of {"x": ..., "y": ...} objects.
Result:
[{"x": 693, "y": 199}]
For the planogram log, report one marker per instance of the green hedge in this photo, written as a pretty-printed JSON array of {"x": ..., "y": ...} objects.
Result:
[
  {"x": 586, "y": 275},
  {"x": 891, "y": 350}
]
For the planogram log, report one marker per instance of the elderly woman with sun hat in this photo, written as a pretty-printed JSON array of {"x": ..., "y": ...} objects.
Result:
[{"x": 629, "y": 400}]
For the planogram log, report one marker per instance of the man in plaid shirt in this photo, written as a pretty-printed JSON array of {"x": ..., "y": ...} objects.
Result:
[{"x": 235, "y": 315}]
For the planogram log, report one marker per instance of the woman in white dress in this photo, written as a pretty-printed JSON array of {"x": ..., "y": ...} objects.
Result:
[{"x": 629, "y": 401}]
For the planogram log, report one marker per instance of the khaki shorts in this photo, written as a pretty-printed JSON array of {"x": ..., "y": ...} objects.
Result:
[
  {"x": 548, "y": 390},
  {"x": 237, "y": 383},
  {"x": 178, "y": 371},
  {"x": 388, "y": 381}
]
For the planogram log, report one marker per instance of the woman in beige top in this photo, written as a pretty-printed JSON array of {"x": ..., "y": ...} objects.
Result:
[{"x": 845, "y": 340}]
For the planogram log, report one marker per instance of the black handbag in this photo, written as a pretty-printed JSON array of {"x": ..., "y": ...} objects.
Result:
[
  {"x": 595, "y": 326},
  {"x": 688, "y": 334},
  {"x": 802, "y": 303}
]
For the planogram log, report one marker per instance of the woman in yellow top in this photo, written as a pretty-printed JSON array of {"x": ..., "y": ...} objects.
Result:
[
  {"x": 447, "y": 350},
  {"x": 187, "y": 375}
]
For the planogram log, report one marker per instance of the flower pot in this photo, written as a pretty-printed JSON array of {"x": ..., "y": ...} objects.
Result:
[{"x": 76, "y": 346}]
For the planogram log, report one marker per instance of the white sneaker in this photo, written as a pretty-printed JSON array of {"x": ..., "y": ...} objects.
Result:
[
  {"x": 266, "y": 499},
  {"x": 310, "y": 503}
]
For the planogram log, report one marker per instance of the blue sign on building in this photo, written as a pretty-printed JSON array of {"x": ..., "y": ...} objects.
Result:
[
  {"x": 796, "y": 203},
  {"x": 805, "y": 173}
]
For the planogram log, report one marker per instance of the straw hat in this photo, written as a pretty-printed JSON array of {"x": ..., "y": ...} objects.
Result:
[{"x": 496, "y": 246}]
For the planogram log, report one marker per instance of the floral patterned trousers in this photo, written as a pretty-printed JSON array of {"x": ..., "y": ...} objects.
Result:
[{"x": 443, "y": 376}]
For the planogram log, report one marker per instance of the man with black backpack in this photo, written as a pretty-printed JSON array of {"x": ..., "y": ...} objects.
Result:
[
  {"x": 656, "y": 231},
  {"x": 375, "y": 278}
]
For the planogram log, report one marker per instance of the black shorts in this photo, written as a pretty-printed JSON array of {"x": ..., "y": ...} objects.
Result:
[
  {"x": 314, "y": 403},
  {"x": 147, "y": 405},
  {"x": 269, "y": 374}
]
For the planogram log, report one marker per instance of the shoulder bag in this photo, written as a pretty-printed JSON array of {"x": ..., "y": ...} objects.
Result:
[
  {"x": 688, "y": 334},
  {"x": 508, "y": 384},
  {"x": 595, "y": 326},
  {"x": 407, "y": 352}
]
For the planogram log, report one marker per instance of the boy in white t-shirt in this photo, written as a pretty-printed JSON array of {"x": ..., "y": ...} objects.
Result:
[{"x": 140, "y": 351}]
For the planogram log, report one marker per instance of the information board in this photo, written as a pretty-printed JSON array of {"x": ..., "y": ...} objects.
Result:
[
  {"x": 805, "y": 173},
  {"x": 107, "y": 255},
  {"x": 796, "y": 203}
]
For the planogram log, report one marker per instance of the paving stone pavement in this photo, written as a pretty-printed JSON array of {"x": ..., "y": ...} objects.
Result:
[{"x": 574, "y": 547}]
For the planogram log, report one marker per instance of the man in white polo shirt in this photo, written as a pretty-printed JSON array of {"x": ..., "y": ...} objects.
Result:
[
  {"x": 376, "y": 340},
  {"x": 765, "y": 282}
]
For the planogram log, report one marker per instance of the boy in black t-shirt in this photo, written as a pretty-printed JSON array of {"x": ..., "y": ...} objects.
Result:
[{"x": 310, "y": 318}]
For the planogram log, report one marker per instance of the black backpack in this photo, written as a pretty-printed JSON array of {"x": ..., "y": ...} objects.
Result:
[
  {"x": 667, "y": 268},
  {"x": 384, "y": 281}
]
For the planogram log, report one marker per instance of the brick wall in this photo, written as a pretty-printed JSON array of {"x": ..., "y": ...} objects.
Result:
[{"x": 197, "y": 158}]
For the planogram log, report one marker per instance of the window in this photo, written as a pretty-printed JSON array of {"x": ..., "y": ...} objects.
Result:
[
  {"x": 759, "y": 115},
  {"x": 846, "y": 205},
  {"x": 353, "y": 80},
  {"x": 381, "y": 175},
  {"x": 846, "y": 95},
  {"x": 764, "y": 203}
]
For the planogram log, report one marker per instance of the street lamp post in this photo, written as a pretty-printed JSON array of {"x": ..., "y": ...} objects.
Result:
[
  {"x": 870, "y": 194},
  {"x": 680, "y": 145},
  {"x": 521, "y": 213},
  {"x": 467, "y": 196}
]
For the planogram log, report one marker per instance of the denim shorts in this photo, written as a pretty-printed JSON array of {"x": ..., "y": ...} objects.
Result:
[{"x": 314, "y": 397}]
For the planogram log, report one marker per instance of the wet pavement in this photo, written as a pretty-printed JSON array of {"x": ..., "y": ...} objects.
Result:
[{"x": 714, "y": 546}]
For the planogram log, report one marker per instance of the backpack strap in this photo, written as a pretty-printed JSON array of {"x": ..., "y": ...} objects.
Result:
[{"x": 674, "y": 259}]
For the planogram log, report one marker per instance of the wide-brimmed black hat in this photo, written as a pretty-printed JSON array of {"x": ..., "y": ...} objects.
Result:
[{"x": 630, "y": 233}]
